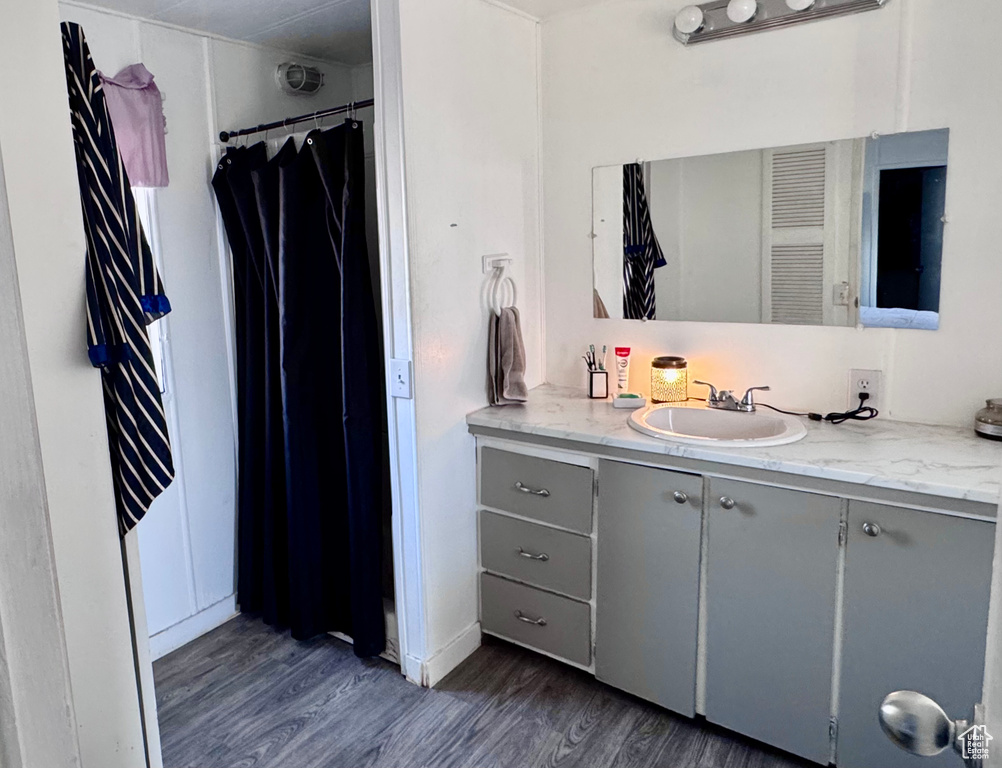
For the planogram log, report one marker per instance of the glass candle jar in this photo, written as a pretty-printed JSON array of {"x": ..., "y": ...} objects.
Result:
[
  {"x": 669, "y": 380},
  {"x": 988, "y": 421}
]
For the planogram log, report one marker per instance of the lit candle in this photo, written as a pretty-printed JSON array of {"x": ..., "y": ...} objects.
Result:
[{"x": 669, "y": 380}]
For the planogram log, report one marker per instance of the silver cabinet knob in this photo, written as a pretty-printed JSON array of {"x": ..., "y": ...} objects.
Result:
[
  {"x": 871, "y": 529},
  {"x": 727, "y": 502},
  {"x": 917, "y": 724},
  {"x": 680, "y": 498}
]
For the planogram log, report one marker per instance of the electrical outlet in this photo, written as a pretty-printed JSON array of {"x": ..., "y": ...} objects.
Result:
[{"x": 869, "y": 381}]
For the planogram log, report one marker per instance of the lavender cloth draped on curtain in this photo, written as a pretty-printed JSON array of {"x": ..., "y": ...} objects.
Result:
[
  {"x": 641, "y": 251},
  {"x": 136, "y": 108}
]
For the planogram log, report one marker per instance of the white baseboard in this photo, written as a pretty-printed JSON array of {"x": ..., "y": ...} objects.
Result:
[
  {"x": 193, "y": 627},
  {"x": 434, "y": 669}
]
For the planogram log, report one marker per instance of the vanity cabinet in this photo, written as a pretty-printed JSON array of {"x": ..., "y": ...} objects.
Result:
[
  {"x": 916, "y": 606},
  {"x": 647, "y": 606},
  {"x": 536, "y": 553},
  {"x": 779, "y": 607},
  {"x": 770, "y": 613}
]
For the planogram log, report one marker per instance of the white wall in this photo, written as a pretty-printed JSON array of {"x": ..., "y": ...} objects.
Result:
[
  {"x": 49, "y": 247},
  {"x": 471, "y": 141},
  {"x": 37, "y": 719},
  {"x": 617, "y": 86},
  {"x": 187, "y": 541}
]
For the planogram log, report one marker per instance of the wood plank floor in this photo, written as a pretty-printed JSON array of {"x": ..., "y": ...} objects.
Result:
[{"x": 246, "y": 696}]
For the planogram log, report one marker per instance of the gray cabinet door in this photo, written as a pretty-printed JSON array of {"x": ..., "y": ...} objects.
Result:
[
  {"x": 771, "y": 594},
  {"x": 916, "y": 613},
  {"x": 648, "y": 583}
]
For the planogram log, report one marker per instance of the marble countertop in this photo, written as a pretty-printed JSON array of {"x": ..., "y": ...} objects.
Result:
[{"x": 942, "y": 461}]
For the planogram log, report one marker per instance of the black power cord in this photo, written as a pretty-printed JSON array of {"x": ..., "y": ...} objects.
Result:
[{"x": 863, "y": 413}]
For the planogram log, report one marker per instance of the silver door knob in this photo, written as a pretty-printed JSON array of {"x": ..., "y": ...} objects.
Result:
[
  {"x": 871, "y": 529},
  {"x": 917, "y": 724},
  {"x": 680, "y": 498},
  {"x": 727, "y": 502}
]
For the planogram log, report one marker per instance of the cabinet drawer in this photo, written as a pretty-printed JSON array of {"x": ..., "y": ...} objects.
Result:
[
  {"x": 553, "y": 559},
  {"x": 551, "y": 623},
  {"x": 556, "y": 493}
]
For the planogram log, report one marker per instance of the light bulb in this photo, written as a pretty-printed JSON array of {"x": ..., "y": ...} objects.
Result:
[
  {"x": 799, "y": 5},
  {"x": 740, "y": 11},
  {"x": 689, "y": 20}
]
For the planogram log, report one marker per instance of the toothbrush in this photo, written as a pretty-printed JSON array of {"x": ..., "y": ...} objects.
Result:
[{"x": 601, "y": 366}]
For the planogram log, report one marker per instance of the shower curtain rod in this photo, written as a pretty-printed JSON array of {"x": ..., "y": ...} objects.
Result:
[{"x": 351, "y": 106}]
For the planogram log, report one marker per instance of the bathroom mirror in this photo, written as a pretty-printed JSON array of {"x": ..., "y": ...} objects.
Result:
[{"x": 837, "y": 233}]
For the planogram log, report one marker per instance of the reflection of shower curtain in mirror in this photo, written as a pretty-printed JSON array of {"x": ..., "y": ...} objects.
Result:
[
  {"x": 311, "y": 410},
  {"x": 641, "y": 250}
]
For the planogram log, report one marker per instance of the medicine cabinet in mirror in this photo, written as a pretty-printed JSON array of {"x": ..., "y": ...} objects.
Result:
[{"x": 838, "y": 233}]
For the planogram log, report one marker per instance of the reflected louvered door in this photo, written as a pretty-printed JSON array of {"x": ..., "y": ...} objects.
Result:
[{"x": 796, "y": 214}]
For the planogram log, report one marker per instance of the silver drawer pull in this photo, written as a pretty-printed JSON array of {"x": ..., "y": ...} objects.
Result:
[
  {"x": 541, "y": 557},
  {"x": 871, "y": 529},
  {"x": 540, "y": 622},
  {"x": 680, "y": 497},
  {"x": 524, "y": 489},
  {"x": 726, "y": 502}
]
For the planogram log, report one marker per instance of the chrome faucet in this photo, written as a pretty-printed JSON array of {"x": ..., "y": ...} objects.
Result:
[{"x": 725, "y": 400}]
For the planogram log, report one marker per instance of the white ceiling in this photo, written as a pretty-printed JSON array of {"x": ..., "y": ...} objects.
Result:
[
  {"x": 337, "y": 30},
  {"x": 543, "y": 8}
]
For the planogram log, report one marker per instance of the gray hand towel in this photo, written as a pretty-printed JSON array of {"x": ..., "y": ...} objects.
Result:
[{"x": 506, "y": 360}]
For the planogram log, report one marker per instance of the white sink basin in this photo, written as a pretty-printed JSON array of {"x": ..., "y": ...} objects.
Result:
[{"x": 723, "y": 429}]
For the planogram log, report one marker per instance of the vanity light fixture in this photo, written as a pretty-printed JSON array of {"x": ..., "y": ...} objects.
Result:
[
  {"x": 742, "y": 11},
  {"x": 669, "y": 380},
  {"x": 689, "y": 19},
  {"x": 718, "y": 19}
]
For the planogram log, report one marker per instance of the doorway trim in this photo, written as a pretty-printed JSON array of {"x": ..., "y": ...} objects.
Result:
[{"x": 391, "y": 194}]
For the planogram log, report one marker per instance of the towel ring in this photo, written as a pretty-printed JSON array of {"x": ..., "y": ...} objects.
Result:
[
  {"x": 492, "y": 291},
  {"x": 500, "y": 280}
]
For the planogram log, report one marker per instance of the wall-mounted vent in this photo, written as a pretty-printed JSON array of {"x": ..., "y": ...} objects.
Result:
[
  {"x": 299, "y": 79},
  {"x": 798, "y": 284},
  {"x": 798, "y": 188}
]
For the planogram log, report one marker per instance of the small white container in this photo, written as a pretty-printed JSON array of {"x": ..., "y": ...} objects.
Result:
[
  {"x": 598, "y": 385},
  {"x": 631, "y": 403}
]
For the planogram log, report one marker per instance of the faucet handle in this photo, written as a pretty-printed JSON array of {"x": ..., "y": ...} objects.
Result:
[
  {"x": 714, "y": 396},
  {"x": 749, "y": 398}
]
